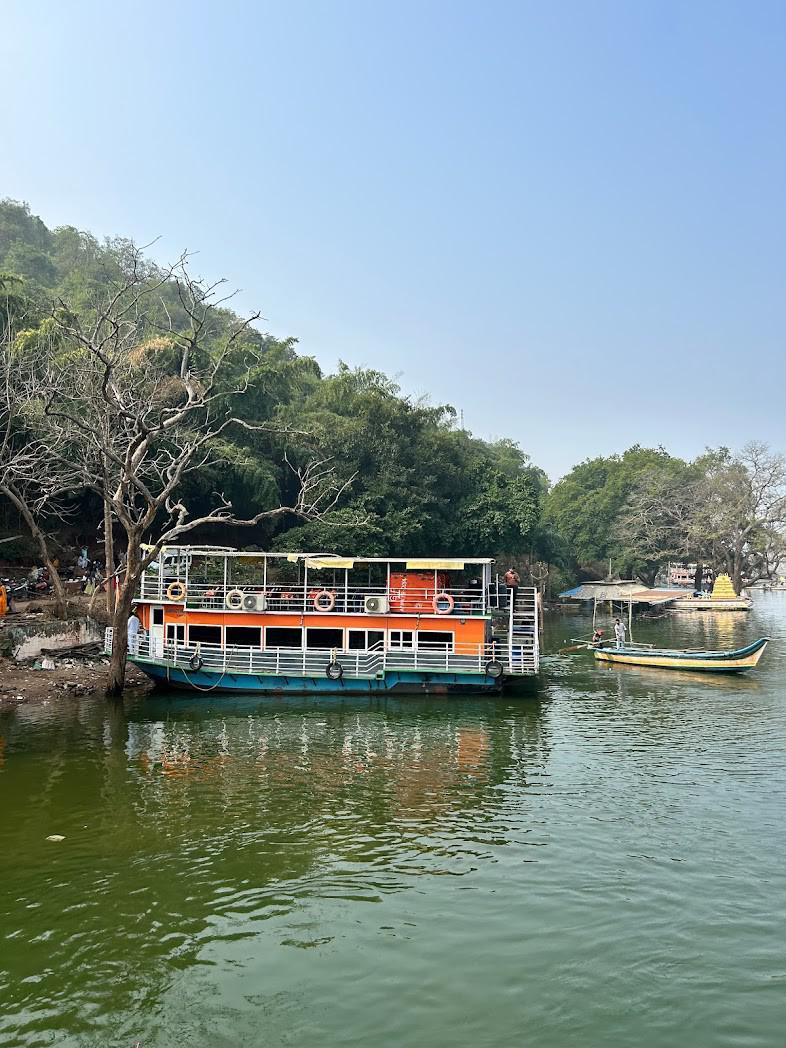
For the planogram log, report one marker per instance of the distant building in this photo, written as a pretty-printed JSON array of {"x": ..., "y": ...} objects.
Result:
[{"x": 684, "y": 575}]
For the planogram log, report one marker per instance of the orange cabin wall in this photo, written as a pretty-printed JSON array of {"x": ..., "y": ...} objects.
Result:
[{"x": 471, "y": 631}]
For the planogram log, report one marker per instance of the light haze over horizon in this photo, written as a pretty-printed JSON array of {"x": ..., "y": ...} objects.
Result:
[{"x": 566, "y": 220}]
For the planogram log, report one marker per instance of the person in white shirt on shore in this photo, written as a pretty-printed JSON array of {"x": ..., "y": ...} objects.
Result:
[{"x": 134, "y": 629}]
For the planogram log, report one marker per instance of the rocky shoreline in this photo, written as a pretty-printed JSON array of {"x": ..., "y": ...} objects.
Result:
[
  {"x": 26, "y": 676},
  {"x": 21, "y": 683}
]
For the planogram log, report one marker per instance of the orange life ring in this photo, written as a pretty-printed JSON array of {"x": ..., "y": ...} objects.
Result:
[
  {"x": 324, "y": 601},
  {"x": 176, "y": 591},
  {"x": 447, "y": 599}
]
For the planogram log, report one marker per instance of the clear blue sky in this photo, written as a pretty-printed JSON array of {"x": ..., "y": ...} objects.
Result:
[{"x": 563, "y": 218}]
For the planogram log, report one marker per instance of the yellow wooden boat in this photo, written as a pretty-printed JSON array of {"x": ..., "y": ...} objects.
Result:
[{"x": 676, "y": 659}]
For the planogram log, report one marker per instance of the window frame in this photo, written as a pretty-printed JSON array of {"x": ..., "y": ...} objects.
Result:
[{"x": 273, "y": 647}]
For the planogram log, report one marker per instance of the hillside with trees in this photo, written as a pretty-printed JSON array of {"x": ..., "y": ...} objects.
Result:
[
  {"x": 138, "y": 409},
  {"x": 416, "y": 481}
]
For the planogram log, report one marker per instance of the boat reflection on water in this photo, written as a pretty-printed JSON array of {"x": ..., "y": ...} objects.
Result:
[
  {"x": 730, "y": 683},
  {"x": 393, "y": 759}
]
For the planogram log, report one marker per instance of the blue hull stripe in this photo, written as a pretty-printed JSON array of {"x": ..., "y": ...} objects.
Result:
[{"x": 199, "y": 680}]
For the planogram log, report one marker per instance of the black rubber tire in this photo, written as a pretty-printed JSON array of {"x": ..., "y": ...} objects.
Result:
[
  {"x": 494, "y": 669},
  {"x": 195, "y": 662},
  {"x": 334, "y": 671}
]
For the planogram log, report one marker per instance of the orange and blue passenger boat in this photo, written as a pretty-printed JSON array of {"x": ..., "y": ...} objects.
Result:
[
  {"x": 686, "y": 659},
  {"x": 219, "y": 619}
]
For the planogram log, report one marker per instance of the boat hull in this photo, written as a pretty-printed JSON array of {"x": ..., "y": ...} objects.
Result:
[
  {"x": 705, "y": 662},
  {"x": 400, "y": 682}
]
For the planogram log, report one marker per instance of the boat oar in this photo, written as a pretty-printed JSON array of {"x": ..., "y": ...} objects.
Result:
[{"x": 571, "y": 648}]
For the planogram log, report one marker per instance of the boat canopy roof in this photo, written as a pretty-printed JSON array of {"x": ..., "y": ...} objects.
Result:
[
  {"x": 329, "y": 560},
  {"x": 627, "y": 592}
]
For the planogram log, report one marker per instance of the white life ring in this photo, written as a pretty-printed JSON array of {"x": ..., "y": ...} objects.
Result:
[
  {"x": 234, "y": 600},
  {"x": 443, "y": 603},
  {"x": 324, "y": 601},
  {"x": 176, "y": 591}
]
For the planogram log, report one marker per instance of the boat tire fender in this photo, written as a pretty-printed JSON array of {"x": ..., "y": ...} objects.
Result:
[
  {"x": 176, "y": 591},
  {"x": 324, "y": 601},
  {"x": 443, "y": 603},
  {"x": 494, "y": 669},
  {"x": 196, "y": 662},
  {"x": 234, "y": 599},
  {"x": 334, "y": 671}
]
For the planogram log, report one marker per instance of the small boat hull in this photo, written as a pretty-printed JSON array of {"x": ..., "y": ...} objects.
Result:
[{"x": 703, "y": 661}]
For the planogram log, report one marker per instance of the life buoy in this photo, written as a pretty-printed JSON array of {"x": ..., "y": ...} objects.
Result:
[
  {"x": 494, "y": 669},
  {"x": 443, "y": 603},
  {"x": 176, "y": 591},
  {"x": 195, "y": 662},
  {"x": 234, "y": 600},
  {"x": 334, "y": 671},
  {"x": 324, "y": 601}
]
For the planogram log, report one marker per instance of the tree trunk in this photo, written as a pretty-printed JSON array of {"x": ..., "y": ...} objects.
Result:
[
  {"x": 109, "y": 557},
  {"x": 737, "y": 577},
  {"x": 121, "y": 613},
  {"x": 120, "y": 616},
  {"x": 698, "y": 578},
  {"x": 61, "y": 601},
  {"x": 737, "y": 570}
]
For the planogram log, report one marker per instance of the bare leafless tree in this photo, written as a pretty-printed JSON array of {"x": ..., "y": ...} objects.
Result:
[
  {"x": 35, "y": 481},
  {"x": 741, "y": 511},
  {"x": 139, "y": 400}
]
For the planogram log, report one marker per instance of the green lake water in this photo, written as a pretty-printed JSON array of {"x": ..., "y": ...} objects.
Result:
[{"x": 602, "y": 863}]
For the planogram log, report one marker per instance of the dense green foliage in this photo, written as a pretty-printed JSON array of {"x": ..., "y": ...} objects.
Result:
[
  {"x": 411, "y": 481},
  {"x": 584, "y": 505},
  {"x": 645, "y": 507},
  {"x": 420, "y": 484}
]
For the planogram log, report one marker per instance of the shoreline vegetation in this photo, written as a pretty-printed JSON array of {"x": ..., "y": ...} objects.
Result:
[{"x": 138, "y": 410}]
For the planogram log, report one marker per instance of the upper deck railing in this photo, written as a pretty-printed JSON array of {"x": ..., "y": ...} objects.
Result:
[{"x": 282, "y": 598}]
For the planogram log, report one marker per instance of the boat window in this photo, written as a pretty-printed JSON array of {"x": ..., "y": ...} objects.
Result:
[
  {"x": 435, "y": 639},
  {"x": 204, "y": 634},
  {"x": 402, "y": 639},
  {"x": 246, "y": 636},
  {"x": 176, "y": 633},
  {"x": 360, "y": 640},
  {"x": 158, "y": 616},
  {"x": 324, "y": 638},
  {"x": 283, "y": 637}
]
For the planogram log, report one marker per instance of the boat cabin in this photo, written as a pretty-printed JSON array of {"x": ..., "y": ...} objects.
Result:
[{"x": 232, "y": 608}]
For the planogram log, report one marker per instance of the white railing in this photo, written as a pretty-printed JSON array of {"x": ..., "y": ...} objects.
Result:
[
  {"x": 351, "y": 600},
  {"x": 368, "y": 662}
]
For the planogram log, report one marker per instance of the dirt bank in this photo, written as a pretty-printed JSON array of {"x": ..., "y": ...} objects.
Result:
[{"x": 22, "y": 683}]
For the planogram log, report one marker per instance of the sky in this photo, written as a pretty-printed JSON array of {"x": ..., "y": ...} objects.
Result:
[{"x": 566, "y": 219}]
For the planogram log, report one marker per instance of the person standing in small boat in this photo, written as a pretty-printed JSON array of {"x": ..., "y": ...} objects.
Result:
[{"x": 619, "y": 633}]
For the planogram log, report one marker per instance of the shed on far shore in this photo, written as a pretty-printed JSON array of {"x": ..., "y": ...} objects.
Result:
[{"x": 625, "y": 591}]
